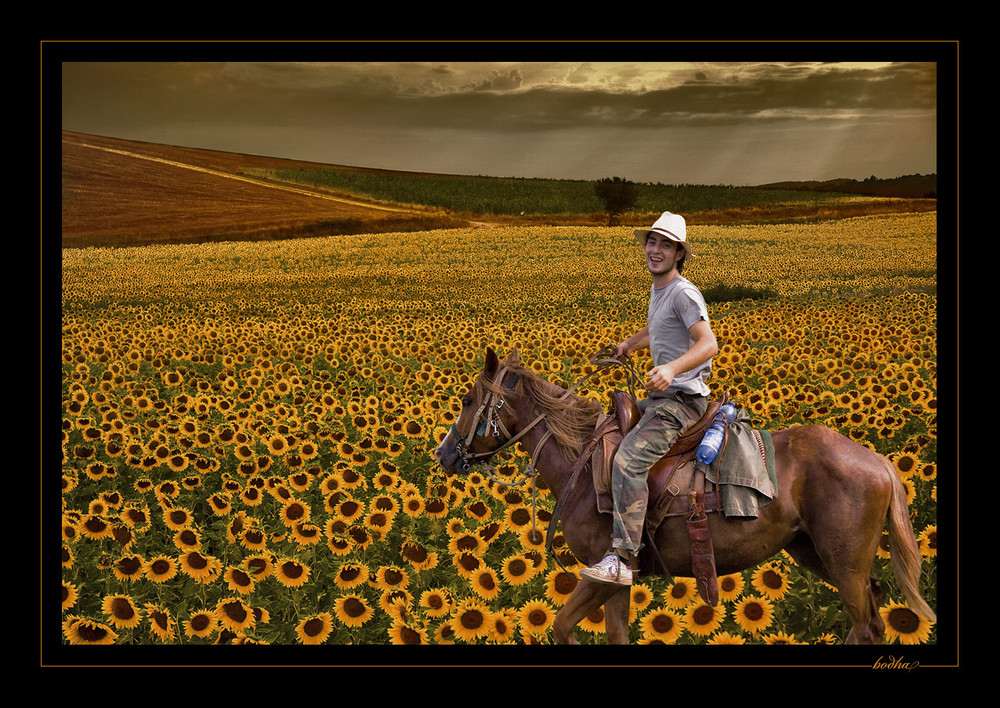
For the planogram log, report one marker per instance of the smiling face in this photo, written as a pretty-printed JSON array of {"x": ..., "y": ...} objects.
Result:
[{"x": 662, "y": 256}]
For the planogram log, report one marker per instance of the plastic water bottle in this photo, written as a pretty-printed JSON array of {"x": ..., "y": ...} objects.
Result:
[{"x": 711, "y": 443}]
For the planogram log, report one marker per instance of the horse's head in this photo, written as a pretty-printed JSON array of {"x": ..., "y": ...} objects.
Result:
[{"x": 486, "y": 421}]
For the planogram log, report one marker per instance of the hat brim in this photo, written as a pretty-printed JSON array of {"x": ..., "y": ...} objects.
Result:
[{"x": 641, "y": 234}]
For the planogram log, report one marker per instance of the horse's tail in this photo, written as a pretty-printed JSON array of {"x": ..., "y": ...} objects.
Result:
[{"x": 903, "y": 548}]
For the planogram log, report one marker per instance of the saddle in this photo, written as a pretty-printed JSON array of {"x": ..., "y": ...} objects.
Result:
[{"x": 675, "y": 473}]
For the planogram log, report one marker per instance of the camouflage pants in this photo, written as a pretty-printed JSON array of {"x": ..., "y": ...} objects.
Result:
[{"x": 663, "y": 420}]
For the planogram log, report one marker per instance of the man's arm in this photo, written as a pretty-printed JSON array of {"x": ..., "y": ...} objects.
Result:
[
  {"x": 703, "y": 348},
  {"x": 637, "y": 341}
]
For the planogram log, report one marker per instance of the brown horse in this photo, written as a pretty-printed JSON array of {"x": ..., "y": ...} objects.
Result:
[{"x": 833, "y": 499}]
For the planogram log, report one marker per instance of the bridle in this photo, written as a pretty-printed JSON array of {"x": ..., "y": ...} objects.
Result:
[{"x": 491, "y": 423}]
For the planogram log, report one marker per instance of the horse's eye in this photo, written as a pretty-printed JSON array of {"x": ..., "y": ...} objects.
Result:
[{"x": 467, "y": 401}]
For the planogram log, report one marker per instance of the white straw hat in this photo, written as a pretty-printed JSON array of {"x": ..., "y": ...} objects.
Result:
[{"x": 670, "y": 225}]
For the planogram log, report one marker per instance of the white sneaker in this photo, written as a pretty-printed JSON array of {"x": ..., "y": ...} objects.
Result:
[{"x": 611, "y": 570}]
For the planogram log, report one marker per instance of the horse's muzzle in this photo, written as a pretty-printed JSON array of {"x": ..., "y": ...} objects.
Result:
[{"x": 446, "y": 454}]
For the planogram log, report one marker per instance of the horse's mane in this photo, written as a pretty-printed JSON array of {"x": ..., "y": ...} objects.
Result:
[{"x": 571, "y": 420}]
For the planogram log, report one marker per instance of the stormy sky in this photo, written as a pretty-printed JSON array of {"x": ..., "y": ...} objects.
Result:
[{"x": 695, "y": 122}]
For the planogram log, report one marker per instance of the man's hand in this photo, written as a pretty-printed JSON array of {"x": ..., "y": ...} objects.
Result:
[{"x": 660, "y": 377}]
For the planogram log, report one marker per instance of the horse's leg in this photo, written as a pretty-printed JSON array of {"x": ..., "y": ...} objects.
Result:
[
  {"x": 585, "y": 598},
  {"x": 616, "y": 616},
  {"x": 802, "y": 550}
]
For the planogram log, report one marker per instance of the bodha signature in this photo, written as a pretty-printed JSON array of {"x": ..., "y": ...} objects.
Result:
[{"x": 892, "y": 662}]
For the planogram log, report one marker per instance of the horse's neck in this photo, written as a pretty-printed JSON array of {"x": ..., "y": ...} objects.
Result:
[{"x": 547, "y": 460}]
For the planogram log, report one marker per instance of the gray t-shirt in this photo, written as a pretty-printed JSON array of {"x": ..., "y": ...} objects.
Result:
[{"x": 673, "y": 309}]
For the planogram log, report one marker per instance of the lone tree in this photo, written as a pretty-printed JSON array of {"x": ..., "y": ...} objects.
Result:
[{"x": 618, "y": 195}]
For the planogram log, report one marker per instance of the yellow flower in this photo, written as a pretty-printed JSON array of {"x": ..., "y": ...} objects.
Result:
[
  {"x": 753, "y": 614},
  {"x": 315, "y": 629},
  {"x": 472, "y": 620},
  {"x": 121, "y": 611},
  {"x": 536, "y": 616},
  {"x": 903, "y": 625},
  {"x": 770, "y": 580},
  {"x": 352, "y": 610},
  {"x": 681, "y": 593},
  {"x": 730, "y": 587},
  {"x": 701, "y": 619},
  {"x": 664, "y": 625}
]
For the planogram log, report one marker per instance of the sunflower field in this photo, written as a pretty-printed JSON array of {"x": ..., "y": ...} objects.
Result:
[{"x": 247, "y": 427}]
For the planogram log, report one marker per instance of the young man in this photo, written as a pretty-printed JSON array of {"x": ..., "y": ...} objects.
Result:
[{"x": 682, "y": 344}]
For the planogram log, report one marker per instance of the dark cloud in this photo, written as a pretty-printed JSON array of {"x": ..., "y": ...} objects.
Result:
[{"x": 478, "y": 117}]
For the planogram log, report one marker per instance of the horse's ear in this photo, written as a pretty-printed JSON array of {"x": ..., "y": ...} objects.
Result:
[
  {"x": 492, "y": 362},
  {"x": 514, "y": 357}
]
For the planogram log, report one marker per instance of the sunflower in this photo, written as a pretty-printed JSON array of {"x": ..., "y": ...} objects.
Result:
[
  {"x": 503, "y": 627},
  {"x": 239, "y": 580},
  {"x": 306, "y": 534},
  {"x": 642, "y": 597},
  {"x": 161, "y": 623},
  {"x": 485, "y": 583},
  {"x": 780, "y": 638},
  {"x": 253, "y": 539},
  {"x": 927, "y": 541},
  {"x": 121, "y": 611},
  {"x": 701, "y": 619},
  {"x": 517, "y": 569},
  {"x": 536, "y": 616},
  {"x": 391, "y": 577},
  {"x": 129, "y": 568},
  {"x": 903, "y": 625},
  {"x": 730, "y": 586},
  {"x": 753, "y": 614},
  {"x": 378, "y": 523},
  {"x": 291, "y": 573},
  {"x": 471, "y": 620},
  {"x": 726, "y": 638},
  {"x": 413, "y": 505},
  {"x": 665, "y": 625},
  {"x": 883, "y": 548},
  {"x": 827, "y": 640},
  {"x": 69, "y": 595},
  {"x": 406, "y": 632},
  {"x": 418, "y": 556},
  {"x": 770, "y": 580},
  {"x": 465, "y": 543},
  {"x": 79, "y": 630},
  {"x": 532, "y": 538},
  {"x": 680, "y": 593},
  {"x": 135, "y": 515},
  {"x": 395, "y": 601},
  {"x": 349, "y": 510},
  {"x": 201, "y": 624},
  {"x": 437, "y": 602},
  {"x": 294, "y": 512},
  {"x": 161, "y": 569},
  {"x": 203, "y": 568},
  {"x": 235, "y": 615},
  {"x": 559, "y": 585},
  {"x": 905, "y": 464},
  {"x": 315, "y": 629},
  {"x": 352, "y": 610},
  {"x": 95, "y": 527},
  {"x": 518, "y": 517},
  {"x": 219, "y": 504}
]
